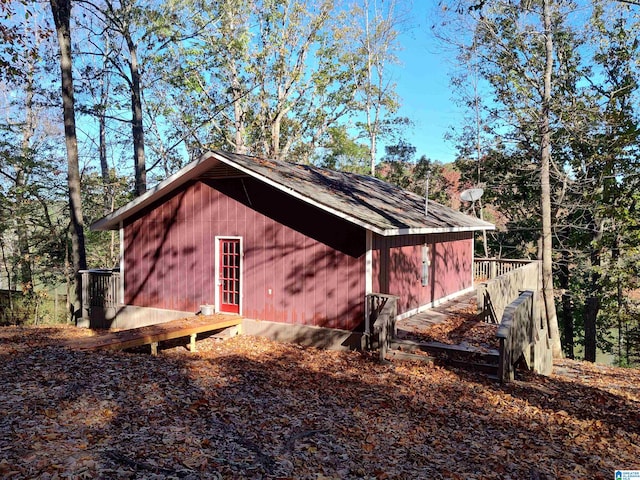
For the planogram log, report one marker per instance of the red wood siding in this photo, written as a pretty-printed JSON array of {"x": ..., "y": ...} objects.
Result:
[
  {"x": 397, "y": 267},
  {"x": 300, "y": 265}
]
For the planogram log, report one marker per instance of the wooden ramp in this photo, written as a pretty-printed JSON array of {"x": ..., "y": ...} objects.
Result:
[
  {"x": 435, "y": 315},
  {"x": 408, "y": 342},
  {"x": 152, "y": 334}
]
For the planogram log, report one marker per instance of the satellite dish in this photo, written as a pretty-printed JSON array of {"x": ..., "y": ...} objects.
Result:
[{"x": 471, "y": 195}]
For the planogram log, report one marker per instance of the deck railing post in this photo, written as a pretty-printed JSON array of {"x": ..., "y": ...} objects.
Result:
[
  {"x": 368, "y": 298},
  {"x": 382, "y": 335},
  {"x": 100, "y": 296},
  {"x": 382, "y": 322},
  {"x": 522, "y": 335},
  {"x": 503, "y": 364},
  {"x": 85, "y": 301}
]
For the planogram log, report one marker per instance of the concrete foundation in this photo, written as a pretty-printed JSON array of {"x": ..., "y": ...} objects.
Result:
[
  {"x": 129, "y": 316},
  {"x": 325, "y": 338}
]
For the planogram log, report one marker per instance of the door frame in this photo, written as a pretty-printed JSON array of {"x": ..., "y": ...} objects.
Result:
[{"x": 216, "y": 278}]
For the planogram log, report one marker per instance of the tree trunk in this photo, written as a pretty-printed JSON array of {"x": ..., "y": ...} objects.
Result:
[
  {"x": 232, "y": 26},
  {"x": 61, "y": 10},
  {"x": 275, "y": 138},
  {"x": 591, "y": 308},
  {"x": 616, "y": 261},
  {"x": 372, "y": 130},
  {"x": 545, "y": 187},
  {"x": 102, "y": 147},
  {"x": 136, "y": 120},
  {"x": 478, "y": 133},
  {"x": 592, "y": 304},
  {"x": 372, "y": 151},
  {"x": 567, "y": 305},
  {"x": 104, "y": 166},
  {"x": 238, "y": 110},
  {"x": 26, "y": 273}
]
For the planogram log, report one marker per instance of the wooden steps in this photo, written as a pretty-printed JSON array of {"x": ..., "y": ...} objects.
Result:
[
  {"x": 463, "y": 356},
  {"x": 401, "y": 355},
  {"x": 152, "y": 334},
  {"x": 437, "y": 347}
]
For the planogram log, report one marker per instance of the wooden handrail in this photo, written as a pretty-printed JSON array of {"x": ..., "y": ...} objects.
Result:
[
  {"x": 523, "y": 335},
  {"x": 495, "y": 294},
  {"x": 503, "y": 260},
  {"x": 489, "y": 268}
]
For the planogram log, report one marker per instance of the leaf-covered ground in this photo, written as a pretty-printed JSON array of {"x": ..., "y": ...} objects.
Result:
[
  {"x": 461, "y": 328},
  {"x": 252, "y": 408}
]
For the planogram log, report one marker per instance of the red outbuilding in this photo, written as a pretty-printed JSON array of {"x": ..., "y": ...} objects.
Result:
[{"x": 293, "y": 249}]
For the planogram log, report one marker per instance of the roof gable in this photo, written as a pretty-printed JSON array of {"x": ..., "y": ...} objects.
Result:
[{"x": 360, "y": 199}]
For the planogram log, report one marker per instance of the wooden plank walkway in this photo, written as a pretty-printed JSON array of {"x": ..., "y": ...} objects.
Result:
[
  {"x": 438, "y": 314},
  {"x": 408, "y": 340},
  {"x": 152, "y": 334}
]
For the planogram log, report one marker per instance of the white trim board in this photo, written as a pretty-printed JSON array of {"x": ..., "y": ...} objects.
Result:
[{"x": 368, "y": 263}]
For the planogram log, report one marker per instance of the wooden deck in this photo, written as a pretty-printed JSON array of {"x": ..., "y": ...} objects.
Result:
[{"x": 152, "y": 334}]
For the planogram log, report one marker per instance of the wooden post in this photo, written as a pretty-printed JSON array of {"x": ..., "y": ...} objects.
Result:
[
  {"x": 383, "y": 342},
  {"x": 502, "y": 365},
  {"x": 85, "y": 305},
  {"x": 192, "y": 343},
  {"x": 154, "y": 348},
  {"x": 367, "y": 319},
  {"x": 383, "y": 328}
]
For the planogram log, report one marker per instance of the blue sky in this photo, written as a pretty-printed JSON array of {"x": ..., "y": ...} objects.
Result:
[{"x": 423, "y": 86}]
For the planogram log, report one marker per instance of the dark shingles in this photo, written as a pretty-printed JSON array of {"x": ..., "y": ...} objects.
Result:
[{"x": 362, "y": 197}]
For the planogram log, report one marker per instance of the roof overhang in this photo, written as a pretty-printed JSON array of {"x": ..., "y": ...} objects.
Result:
[
  {"x": 427, "y": 230},
  {"x": 199, "y": 168}
]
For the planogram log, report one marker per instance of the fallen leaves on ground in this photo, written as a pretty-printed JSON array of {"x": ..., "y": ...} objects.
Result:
[
  {"x": 462, "y": 327},
  {"x": 252, "y": 408}
]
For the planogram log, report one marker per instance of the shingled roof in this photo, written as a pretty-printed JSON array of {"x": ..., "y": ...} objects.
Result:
[{"x": 361, "y": 199}]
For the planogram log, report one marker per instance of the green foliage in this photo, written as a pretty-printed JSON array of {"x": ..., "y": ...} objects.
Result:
[
  {"x": 281, "y": 78},
  {"x": 103, "y": 248},
  {"x": 400, "y": 167},
  {"x": 38, "y": 308},
  {"x": 272, "y": 78},
  {"x": 342, "y": 152},
  {"x": 33, "y": 211},
  {"x": 512, "y": 189}
]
